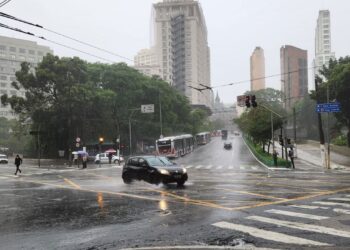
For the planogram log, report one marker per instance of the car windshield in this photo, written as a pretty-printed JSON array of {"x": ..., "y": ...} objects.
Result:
[{"x": 159, "y": 161}]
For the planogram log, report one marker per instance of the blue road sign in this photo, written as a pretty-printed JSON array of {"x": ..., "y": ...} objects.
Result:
[{"x": 328, "y": 107}]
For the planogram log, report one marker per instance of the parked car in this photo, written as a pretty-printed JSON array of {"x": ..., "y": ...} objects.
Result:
[
  {"x": 227, "y": 145},
  {"x": 4, "y": 159},
  {"x": 153, "y": 169},
  {"x": 104, "y": 158}
]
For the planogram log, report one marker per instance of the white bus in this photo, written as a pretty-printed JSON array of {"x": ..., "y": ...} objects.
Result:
[
  {"x": 175, "y": 146},
  {"x": 203, "y": 138}
]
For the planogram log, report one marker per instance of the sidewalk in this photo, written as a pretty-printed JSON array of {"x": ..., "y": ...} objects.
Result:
[{"x": 309, "y": 151}]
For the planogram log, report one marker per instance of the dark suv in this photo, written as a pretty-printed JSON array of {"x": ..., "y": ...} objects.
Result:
[{"x": 153, "y": 169}]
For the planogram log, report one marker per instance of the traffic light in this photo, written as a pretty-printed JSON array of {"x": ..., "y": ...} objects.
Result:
[
  {"x": 288, "y": 141},
  {"x": 247, "y": 101},
  {"x": 280, "y": 138},
  {"x": 254, "y": 104},
  {"x": 101, "y": 140}
]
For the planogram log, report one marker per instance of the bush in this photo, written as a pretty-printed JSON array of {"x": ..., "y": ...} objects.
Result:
[
  {"x": 265, "y": 157},
  {"x": 340, "y": 140}
]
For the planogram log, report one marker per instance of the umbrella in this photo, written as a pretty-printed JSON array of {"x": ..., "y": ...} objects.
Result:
[
  {"x": 81, "y": 152},
  {"x": 111, "y": 150}
]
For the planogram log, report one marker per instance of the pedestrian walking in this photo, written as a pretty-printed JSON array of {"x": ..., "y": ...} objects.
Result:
[
  {"x": 291, "y": 156},
  {"x": 274, "y": 155},
  {"x": 18, "y": 162},
  {"x": 84, "y": 161}
]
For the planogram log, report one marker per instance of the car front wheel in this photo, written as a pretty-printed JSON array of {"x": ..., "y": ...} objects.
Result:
[{"x": 181, "y": 183}]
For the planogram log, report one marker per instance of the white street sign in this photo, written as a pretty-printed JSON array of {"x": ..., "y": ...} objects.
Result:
[{"x": 149, "y": 108}]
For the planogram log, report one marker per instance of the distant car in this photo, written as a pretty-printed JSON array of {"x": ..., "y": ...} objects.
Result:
[
  {"x": 236, "y": 133},
  {"x": 104, "y": 158},
  {"x": 3, "y": 159},
  {"x": 227, "y": 145},
  {"x": 153, "y": 169}
]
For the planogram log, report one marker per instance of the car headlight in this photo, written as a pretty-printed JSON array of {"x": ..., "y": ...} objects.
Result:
[
  {"x": 184, "y": 170},
  {"x": 163, "y": 171}
]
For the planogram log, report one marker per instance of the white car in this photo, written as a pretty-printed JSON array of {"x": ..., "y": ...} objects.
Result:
[
  {"x": 3, "y": 159},
  {"x": 103, "y": 158}
]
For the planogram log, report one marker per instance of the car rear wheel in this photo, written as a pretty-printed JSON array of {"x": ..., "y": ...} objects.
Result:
[{"x": 181, "y": 183}]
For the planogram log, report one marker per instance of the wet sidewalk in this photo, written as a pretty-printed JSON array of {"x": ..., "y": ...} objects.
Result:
[{"x": 309, "y": 151}]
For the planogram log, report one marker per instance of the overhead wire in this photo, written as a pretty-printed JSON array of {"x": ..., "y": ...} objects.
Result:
[
  {"x": 4, "y": 2},
  {"x": 54, "y": 42},
  {"x": 205, "y": 87},
  {"x": 2, "y": 14}
]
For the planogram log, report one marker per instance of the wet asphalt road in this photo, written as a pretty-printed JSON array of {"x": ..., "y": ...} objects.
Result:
[{"x": 229, "y": 199}]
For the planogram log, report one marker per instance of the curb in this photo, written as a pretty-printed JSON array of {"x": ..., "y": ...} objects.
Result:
[{"x": 263, "y": 164}]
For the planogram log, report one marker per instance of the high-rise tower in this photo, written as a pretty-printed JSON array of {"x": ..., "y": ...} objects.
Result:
[
  {"x": 294, "y": 79},
  {"x": 257, "y": 69},
  {"x": 180, "y": 41},
  {"x": 323, "y": 40}
]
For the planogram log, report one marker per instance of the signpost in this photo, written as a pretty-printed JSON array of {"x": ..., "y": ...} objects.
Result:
[
  {"x": 332, "y": 107},
  {"x": 241, "y": 100},
  {"x": 148, "y": 108}
]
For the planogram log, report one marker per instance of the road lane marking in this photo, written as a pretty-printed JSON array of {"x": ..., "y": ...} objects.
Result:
[
  {"x": 294, "y": 214},
  {"x": 342, "y": 211},
  {"x": 72, "y": 183},
  {"x": 219, "y": 167},
  {"x": 230, "y": 167},
  {"x": 308, "y": 207},
  {"x": 339, "y": 199},
  {"x": 198, "y": 167},
  {"x": 268, "y": 235},
  {"x": 189, "y": 166},
  {"x": 208, "y": 167},
  {"x": 254, "y": 194},
  {"x": 327, "y": 203},
  {"x": 242, "y": 168},
  {"x": 254, "y": 168},
  {"x": 302, "y": 226}
]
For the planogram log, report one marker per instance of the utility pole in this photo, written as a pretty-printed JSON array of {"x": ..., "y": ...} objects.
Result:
[{"x": 320, "y": 129}]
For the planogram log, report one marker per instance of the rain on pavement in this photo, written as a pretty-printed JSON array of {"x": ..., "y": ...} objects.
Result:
[{"x": 228, "y": 193}]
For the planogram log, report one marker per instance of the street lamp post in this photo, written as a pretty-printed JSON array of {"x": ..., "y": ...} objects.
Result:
[{"x": 130, "y": 143}]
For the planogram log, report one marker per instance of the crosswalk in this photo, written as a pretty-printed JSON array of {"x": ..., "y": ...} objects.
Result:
[
  {"x": 298, "y": 224},
  {"x": 224, "y": 167}
]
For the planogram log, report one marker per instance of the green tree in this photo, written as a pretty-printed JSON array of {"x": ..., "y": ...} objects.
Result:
[{"x": 336, "y": 82}]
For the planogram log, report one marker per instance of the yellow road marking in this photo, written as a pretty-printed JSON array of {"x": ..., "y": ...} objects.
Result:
[
  {"x": 192, "y": 201},
  {"x": 254, "y": 194},
  {"x": 72, "y": 183}
]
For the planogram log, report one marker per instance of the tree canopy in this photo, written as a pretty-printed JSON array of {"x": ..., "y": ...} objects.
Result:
[{"x": 67, "y": 98}]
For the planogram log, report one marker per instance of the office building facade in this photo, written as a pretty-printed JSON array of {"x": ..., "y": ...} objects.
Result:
[
  {"x": 146, "y": 61},
  {"x": 180, "y": 41},
  {"x": 257, "y": 69},
  {"x": 294, "y": 75},
  {"x": 323, "y": 52},
  {"x": 13, "y": 52}
]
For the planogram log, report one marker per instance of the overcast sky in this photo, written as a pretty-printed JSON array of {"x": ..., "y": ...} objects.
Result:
[{"x": 235, "y": 28}]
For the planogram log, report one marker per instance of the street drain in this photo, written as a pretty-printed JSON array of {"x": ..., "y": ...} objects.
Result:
[
  {"x": 230, "y": 242},
  {"x": 164, "y": 212}
]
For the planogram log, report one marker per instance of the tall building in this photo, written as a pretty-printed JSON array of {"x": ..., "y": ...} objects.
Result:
[
  {"x": 294, "y": 74},
  {"x": 323, "y": 40},
  {"x": 12, "y": 53},
  {"x": 146, "y": 61},
  {"x": 180, "y": 40},
  {"x": 257, "y": 69}
]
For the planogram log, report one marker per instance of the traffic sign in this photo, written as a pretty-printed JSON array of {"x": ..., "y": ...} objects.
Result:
[
  {"x": 328, "y": 107},
  {"x": 149, "y": 108},
  {"x": 77, "y": 139}
]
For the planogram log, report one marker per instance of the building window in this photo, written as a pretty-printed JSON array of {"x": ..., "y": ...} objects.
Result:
[
  {"x": 3, "y": 92},
  {"x": 12, "y": 78},
  {"x": 21, "y": 50},
  {"x": 12, "y": 56},
  {"x": 22, "y": 58},
  {"x": 40, "y": 53},
  {"x": 2, "y": 47},
  {"x": 3, "y": 84},
  {"x": 3, "y": 77},
  {"x": 13, "y": 49},
  {"x": 13, "y": 92},
  {"x": 31, "y": 52}
]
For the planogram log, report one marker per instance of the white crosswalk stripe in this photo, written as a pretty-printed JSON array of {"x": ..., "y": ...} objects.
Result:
[
  {"x": 341, "y": 211},
  {"x": 242, "y": 168},
  {"x": 209, "y": 167},
  {"x": 254, "y": 168},
  {"x": 308, "y": 207},
  {"x": 339, "y": 199},
  {"x": 268, "y": 235},
  {"x": 302, "y": 226},
  {"x": 198, "y": 167},
  {"x": 328, "y": 203},
  {"x": 294, "y": 214},
  {"x": 230, "y": 167},
  {"x": 219, "y": 167}
]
